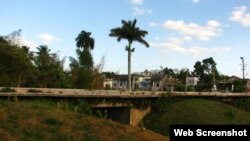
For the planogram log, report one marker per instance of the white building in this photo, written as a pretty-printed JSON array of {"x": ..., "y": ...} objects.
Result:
[
  {"x": 192, "y": 81},
  {"x": 118, "y": 82}
]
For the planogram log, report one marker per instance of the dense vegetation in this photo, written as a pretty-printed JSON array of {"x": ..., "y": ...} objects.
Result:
[
  {"x": 41, "y": 120},
  {"x": 21, "y": 67},
  {"x": 195, "y": 111}
]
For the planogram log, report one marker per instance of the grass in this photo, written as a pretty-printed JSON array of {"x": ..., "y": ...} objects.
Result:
[
  {"x": 39, "y": 120},
  {"x": 194, "y": 111}
]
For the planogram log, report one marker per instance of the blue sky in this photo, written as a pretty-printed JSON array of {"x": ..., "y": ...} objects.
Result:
[{"x": 181, "y": 32}]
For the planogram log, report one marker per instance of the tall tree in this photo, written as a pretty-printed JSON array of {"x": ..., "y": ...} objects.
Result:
[
  {"x": 82, "y": 69},
  {"x": 207, "y": 72},
  {"x": 131, "y": 33},
  {"x": 169, "y": 72},
  {"x": 183, "y": 74},
  {"x": 85, "y": 43}
]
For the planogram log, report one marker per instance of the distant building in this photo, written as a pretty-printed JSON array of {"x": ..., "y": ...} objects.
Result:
[
  {"x": 156, "y": 82},
  {"x": 116, "y": 82},
  {"x": 108, "y": 84},
  {"x": 192, "y": 81},
  {"x": 228, "y": 85},
  {"x": 163, "y": 83},
  {"x": 233, "y": 78},
  {"x": 144, "y": 83},
  {"x": 120, "y": 82}
]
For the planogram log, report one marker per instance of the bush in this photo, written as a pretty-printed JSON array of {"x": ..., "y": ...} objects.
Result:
[
  {"x": 7, "y": 89},
  {"x": 181, "y": 88},
  {"x": 239, "y": 86},
  {"x": 203, "y": 87},
  {"x": 34, "y": 91}
]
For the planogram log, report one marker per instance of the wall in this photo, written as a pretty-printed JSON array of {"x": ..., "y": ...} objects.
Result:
[{"x": 137, "y": 114}]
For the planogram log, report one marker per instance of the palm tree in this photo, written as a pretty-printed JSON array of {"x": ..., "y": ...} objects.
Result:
[
  {"x": 44, "y": 55},
  {"x": 86, "y": 43},
  {"x": 130, "y": 32},
  {"x": 83, "y": 40}
]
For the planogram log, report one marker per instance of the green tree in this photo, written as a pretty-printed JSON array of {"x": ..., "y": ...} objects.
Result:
[
  {"x": 198, "y": 69},
  {"x": 169, "y": 72},
  {"x": 108, "y": 74},
  {"x": 82, "y": 69},
  {"x": 50, "y": 68},
  {"x": 183, "y": 74},
  {"x": 14, "y": 38},
  {"x": 15, "y": 64},
  {"x": 131, "y": 33},
  {"x": 239, "y": 86},
  {"x": 207, "y": 73},
  {"x": 85, "y": 43}
]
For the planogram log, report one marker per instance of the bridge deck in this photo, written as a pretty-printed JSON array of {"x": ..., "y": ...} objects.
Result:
[{"x": 81, "y": 93}]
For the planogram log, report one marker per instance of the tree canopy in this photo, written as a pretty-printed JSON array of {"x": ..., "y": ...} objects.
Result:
[{"x": 207, "y": 72}]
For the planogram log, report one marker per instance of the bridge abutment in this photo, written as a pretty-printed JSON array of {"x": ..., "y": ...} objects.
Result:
[{"x": 137, "y": 114}]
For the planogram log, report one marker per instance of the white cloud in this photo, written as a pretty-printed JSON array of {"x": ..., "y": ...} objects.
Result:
[
  {"x": 198, "y": 51},
  {"x": 173, "y": 44},
  {"x": 195, "y": 1},
  {"x": 47, "y": 38},
  {"x": 177, "y": 45},
  {"x": 204, "y": 33},
  {"x": 141, "y": 11},
  {"x": 240, "y": 15},
  {"x": 213, "y": 23},
  {"x": 202, "y": 51},
  {"x": 138, "y": 11},
  {"x": 187, "y": 38},
  {"x": 137, "y": 2},
  {"x": 28, "y": 43},
  {"x": 220, "y": 51},
  {"x": 153, "y": 24}
]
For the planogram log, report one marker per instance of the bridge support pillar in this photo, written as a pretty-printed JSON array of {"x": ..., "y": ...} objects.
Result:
[{"x": 137, "y": 114}]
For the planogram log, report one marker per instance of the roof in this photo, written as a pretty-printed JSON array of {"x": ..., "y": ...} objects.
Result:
[
  {"x": 233, "y": 78},
  {"x": 156, "y": 78}
]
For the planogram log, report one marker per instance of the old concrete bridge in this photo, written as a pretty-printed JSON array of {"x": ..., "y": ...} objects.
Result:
[{"x": 122, "y": 106}]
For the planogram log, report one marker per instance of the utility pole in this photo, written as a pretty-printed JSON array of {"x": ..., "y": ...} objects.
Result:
[
  {"x": 243, "y": 67},
  {"x": 186, "y": 80},
  {"x": 213, "y": 73},
  {"x": 243, "y": 73}
]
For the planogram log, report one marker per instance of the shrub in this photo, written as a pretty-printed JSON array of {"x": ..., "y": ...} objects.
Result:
[
  {"x": 239, "y": 86},
  {"x": 34, "y": 91},
  {"x": 7, "y": 89}
]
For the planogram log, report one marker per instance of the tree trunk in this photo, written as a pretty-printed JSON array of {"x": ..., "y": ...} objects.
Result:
[{"x": 129, "y": 66}]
